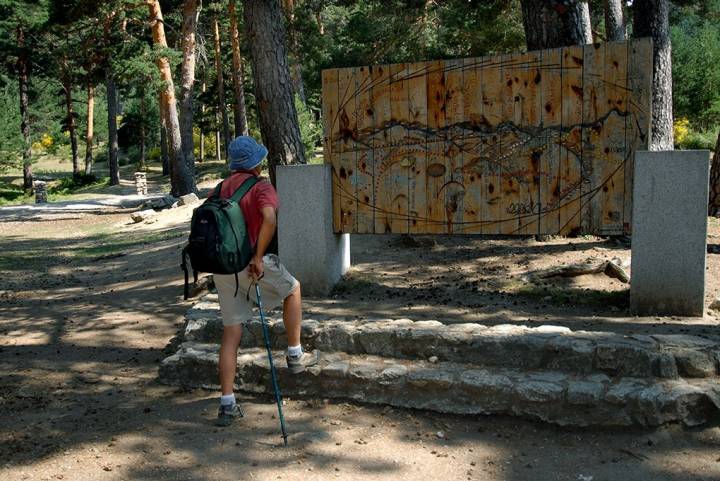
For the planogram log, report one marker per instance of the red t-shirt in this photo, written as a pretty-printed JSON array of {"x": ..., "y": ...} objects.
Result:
[{"x": 262, "y": 194}]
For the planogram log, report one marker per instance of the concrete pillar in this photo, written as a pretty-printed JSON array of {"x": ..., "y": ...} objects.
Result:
[
  {"x": 308, "y": 247},
  {"x": 669, "y": 232}
]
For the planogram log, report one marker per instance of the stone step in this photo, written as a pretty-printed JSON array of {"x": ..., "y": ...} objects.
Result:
[
  {"x": 551, "y": 396},
  {"x": 512, "y": 346}
]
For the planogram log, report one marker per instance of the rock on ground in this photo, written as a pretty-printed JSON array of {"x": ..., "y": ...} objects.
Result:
[
  {"x": 188, "y": 199},
  {"x": 142, "y": 215}
]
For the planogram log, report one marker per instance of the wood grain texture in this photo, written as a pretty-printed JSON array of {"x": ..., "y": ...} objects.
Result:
[
  {"x": 329, "y": 112},
  {"x": 535, "y": 143},
  {"x": 571, "y": 141},
  {"x": 365, "y": 164},
  {"x": 549, "y": 175},
  {"x": 471, "y": 146},
  {"x": 417, "y": 146},
  {"x": 436, "y": 160}
]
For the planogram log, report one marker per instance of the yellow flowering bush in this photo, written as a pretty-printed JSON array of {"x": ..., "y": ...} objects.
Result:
[
  {"x": 681, "y": 129},
  {"x": 46, "y": 141}
]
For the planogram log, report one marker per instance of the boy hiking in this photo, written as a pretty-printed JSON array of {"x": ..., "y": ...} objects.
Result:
[{"x": 259, "y": 207}]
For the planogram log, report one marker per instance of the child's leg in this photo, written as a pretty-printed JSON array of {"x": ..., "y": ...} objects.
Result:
[
  {"x": 228, "y": 356},
  {"x": 292, "y": 316}
]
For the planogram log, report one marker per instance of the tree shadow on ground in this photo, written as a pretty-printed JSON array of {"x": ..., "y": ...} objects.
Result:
[
  {"x": 78, "y": 369},
  {"x": 462, "y": 279},
  {"x": 114, "y": 416}
]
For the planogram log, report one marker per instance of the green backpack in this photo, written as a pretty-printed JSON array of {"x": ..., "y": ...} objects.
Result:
[{"x": 219, "y": 241}]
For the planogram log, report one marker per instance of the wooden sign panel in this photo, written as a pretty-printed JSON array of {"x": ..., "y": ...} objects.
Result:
[{"x": 535, "y": 143}]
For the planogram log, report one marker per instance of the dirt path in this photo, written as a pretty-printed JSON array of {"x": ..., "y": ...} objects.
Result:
[{"x": 89, "y": 303}]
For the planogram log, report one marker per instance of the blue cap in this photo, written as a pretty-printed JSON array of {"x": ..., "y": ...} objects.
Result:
[{"x": 245, "y": 153}]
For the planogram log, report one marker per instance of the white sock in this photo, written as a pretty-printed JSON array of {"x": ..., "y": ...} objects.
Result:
[
  {"x": 227, "y": 399},
  {"x": 295, "y": 351}
]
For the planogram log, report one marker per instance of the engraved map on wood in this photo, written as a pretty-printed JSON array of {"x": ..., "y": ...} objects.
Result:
[{"x": 535, "y": 143}]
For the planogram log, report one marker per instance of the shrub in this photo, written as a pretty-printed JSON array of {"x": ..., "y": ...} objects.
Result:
[
  {"x": 68, "y": 185},
  {"x": 208, "y": 140},
  {"x": 310, "y": 130},
  {"x": 153, "y": 154},
  {"x": 681, "y": 129},
  {"x": 697, "y": 140}
]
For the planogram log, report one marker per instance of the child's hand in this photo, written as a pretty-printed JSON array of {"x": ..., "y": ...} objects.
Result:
[{"x": 256, "y": 269}]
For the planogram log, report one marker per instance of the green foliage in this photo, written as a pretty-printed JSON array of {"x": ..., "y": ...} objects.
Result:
[
  {"x": 80, "y": 40},
  {"x": 141, "y": 112},
  {"x": 310, "y": 129},
  {"x": 208, "y": 140},
  {"x": 11, "y": 193},
  {"x": 389, "y": 31},
  {"x": 69, "y": 185},
  {"x": 154, "y": 154},
  {"x": 696, "y": 66},
  {"x": 10, "y": 140},
  {"x": 698, "y": 140}
]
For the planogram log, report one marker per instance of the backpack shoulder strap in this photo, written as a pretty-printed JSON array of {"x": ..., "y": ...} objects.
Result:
[{"x": 244, "y": 188}]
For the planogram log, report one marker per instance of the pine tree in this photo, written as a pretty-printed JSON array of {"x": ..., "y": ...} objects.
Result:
[
  {"x": 221, "y": 84},
  {"x": 615, "y": 29},
  {"x": 182, "y": 180},
  {"x": 714, "y": 204},
  {"x": 265, "y": 31},
  {"x": 651, "y": 19},
  {"x": 21, "y": 19},
  {"x": 556, "y": 23},
  {"x": 191, "y": 12},
  {"x": 238, "y": 72}
]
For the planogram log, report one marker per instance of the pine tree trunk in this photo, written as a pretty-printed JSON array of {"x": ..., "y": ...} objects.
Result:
[
  {"x": 23, "y": 71},
  {"x": 181, "y": 179},
  {"x": 238, "y": 74},
  {"x": 556, "y": 23},
  {"x": 112, "y": 102},
  {"x": 70, "y": 124},
  {"x": 714, "y": 204},
  {"x": 164, "y": 157},
  {"x": 143, "y": 113},
  {"x": 164, "y": 151},
  {"x": 217, "y": 143},
  {"x": 191, "y": 12},
  {"x": 273, "y": 89},
  {"x": 651, "y": 19},
  {"x": 202, "y": 134},
  {"x": 615, "y": 20},
  {"x": 202, "y": 147},
  {"x": 90, "y": 128},
  {"x": 321, "y": 25},
  {"x": 295, "y": 65},
  {"x": 221, "y": 86}
]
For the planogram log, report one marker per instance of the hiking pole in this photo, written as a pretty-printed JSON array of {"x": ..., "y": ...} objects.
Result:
[{"x": 273, "y": 376}]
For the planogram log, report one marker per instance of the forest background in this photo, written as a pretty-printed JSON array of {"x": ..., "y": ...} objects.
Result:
[{"x": 76, "y": 52}]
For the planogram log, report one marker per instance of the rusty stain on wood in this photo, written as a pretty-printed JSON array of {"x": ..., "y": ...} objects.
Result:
[{"x": 534, "y": 143}]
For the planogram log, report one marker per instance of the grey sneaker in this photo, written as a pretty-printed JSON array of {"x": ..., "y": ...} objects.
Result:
[
  {"x": 228, "y": 414},
  {"x": 297, "y": 364}
]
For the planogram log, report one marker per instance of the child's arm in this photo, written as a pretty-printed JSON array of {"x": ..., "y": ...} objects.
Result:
[{"x": 267, "y": 232}]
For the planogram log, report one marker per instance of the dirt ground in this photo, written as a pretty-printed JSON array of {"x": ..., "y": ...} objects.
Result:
[{"x": 89, "y": 302}]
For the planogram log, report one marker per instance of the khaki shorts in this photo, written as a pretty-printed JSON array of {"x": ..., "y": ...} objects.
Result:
[{"x": 275, "y": 286}]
